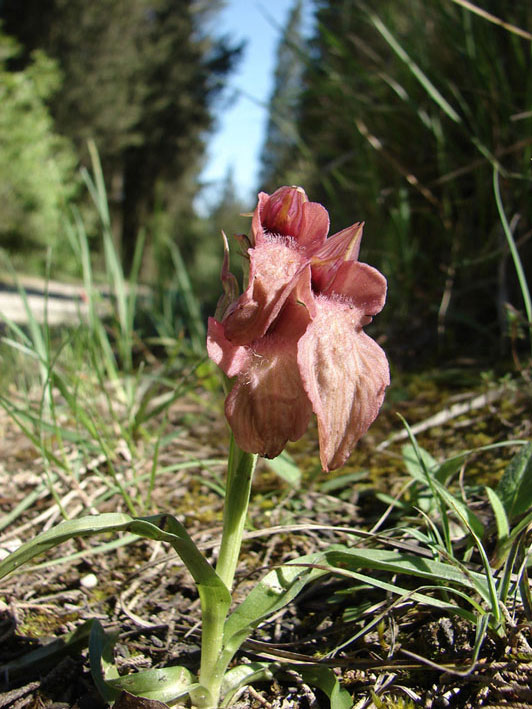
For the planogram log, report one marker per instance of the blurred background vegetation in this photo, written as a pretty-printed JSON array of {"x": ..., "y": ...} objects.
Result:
[{"x": 403, "y": 113}]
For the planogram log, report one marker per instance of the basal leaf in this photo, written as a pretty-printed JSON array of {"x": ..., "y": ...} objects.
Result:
[
  {"x": 515, "y": 486},
  {"x": 325, "y": 679},
  {"x": 407, "y": 564},
  {"x": 273, "y": 592},
  {"x": 39, "y": 660},
  {"x": 83, "y": 527},
  {"x": 101, "y": 646},
  {"x": 285, "y": 467},
  {"x": 242, "y": 675},
  {"x": 158, "y": 527},
  {"x": 165, "y": 685}
]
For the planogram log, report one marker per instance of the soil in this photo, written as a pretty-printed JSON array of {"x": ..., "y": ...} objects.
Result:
[{"x": 412, "y": 657}]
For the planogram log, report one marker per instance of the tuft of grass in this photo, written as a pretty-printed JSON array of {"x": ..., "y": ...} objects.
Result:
[
  {"x": 443, "y": 554},
  {"x": 407, "y": 112},
  {"x": 93, "y": 391}
]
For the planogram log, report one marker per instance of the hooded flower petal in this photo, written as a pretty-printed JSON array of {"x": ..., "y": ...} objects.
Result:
[
  {"x": 268, "y": 406},
  {"x": 345, "y": 374},
  {"x": 342, "y": 246},
  {"x": 287, "y": 212}
]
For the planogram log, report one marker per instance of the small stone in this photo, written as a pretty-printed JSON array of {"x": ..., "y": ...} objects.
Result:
[{"x": 89, "y": 581}]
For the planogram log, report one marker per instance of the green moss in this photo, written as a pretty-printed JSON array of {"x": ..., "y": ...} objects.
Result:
[
  {"x": 390, "y": 701},
  {"x": 39, "y": 623}
]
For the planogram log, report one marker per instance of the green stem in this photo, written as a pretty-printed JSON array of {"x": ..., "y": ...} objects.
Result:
[{"x": 241, "y": 466}]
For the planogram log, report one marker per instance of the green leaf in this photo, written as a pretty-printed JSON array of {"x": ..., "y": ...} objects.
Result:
[
  {"x": 424, "y": 468},
  {"x": 503, "y": 527},
  {"x": 515, "y": 486},
  {"x": 83, "y": 527},
  {"x": 449, "y": 467},
  {"x": 165, "y": 685},
  {"x": 273, "y": 592},
  {"x": 95, "y": 550},
  {"x": 461, "y": 509},
  {"x": 242, "y": 675},
  {"x": 418, "y": 462},
  {"x": 168, "y": 529},
  {"x": 148, "y": 527},
  {"x": 159, "y": 527},
  {"x": 285, "y": 467},
  {"x": 526, "y": 596},
  {"x": 416, "y": 70},
  {"x": 407, "y": 564},
  {"x": 418, "y": 596},
  {"x": 101, "y": 646},
  {"x": 325, "y": 679},
  {"x": 49, "y": 655}
]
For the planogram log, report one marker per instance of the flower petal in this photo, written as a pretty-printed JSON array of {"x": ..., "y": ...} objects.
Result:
[
  {"x": 345, "y": 374},
  {"x": 275, "y": 270},
  {"x": 287, "y": 212},
  {"x": 258, "y": 233},
  {"x": 268, "y": 405},
  {"x": 314, "y": 226},
  {"x": 362, "y": 285},
  {"x": 343, "y": 246},
  {"x": 232, "y": 359}
]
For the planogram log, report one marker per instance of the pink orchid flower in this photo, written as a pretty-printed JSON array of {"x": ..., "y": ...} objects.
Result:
[{"x": 294, "y": 338}]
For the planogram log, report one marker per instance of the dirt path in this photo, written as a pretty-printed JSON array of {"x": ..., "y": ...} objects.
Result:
[
  {"x": 49, "y": 301},
  {"x": 57, "y": 303}
]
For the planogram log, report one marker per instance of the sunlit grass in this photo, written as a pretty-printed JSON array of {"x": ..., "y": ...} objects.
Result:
[{"x": 93, "y": 390}]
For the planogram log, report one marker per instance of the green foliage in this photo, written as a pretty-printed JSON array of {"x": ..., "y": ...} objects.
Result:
[
  {"x": 85, "y": 384},
  {"x": 408, "y": 108},
  {"x": 275, "y": 591},
  {"x": 203, "y": 253},
  {"x": 166, "y": 684},
  {"x": 48, "y": 656},
  {"x": 36, "y": 164},
  {"x": 515, "y": 487},
  {"x": 139, "y": 78}
]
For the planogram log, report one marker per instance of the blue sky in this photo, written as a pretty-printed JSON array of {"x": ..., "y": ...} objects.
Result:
[{"x": 242, "y": 119}]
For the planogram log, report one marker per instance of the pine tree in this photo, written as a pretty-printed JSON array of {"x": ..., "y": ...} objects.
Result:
[
  {"x": 139, "y": 77},
  {"x": 36, "y": 165}
]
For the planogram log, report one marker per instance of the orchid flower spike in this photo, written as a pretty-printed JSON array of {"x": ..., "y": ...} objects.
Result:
[{"x": 294, "y": 339}]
